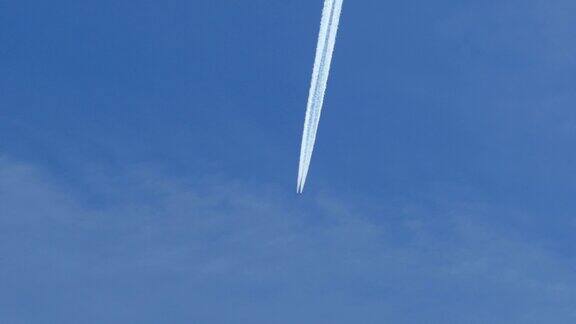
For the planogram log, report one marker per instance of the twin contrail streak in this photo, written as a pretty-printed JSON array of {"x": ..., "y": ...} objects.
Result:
[{"x": 324, "y": 50}]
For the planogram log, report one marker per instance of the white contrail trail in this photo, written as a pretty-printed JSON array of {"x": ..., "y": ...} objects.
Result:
[{"x": 324, "y": 50}]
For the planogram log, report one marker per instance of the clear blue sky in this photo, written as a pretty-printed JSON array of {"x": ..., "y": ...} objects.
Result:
[{"x": 149, "y": 151}]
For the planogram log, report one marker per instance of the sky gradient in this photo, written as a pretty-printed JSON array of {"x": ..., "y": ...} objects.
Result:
[{"x": 149, "y": 150}]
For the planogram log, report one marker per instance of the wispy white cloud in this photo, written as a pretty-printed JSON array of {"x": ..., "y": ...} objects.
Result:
[{"x": 226, "y": 246}]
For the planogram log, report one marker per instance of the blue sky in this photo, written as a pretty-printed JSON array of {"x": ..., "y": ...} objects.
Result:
[{"x": 149, "y": 151}]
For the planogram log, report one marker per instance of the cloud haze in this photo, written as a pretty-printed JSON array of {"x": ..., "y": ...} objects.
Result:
[{"x": 189, "y": 252}]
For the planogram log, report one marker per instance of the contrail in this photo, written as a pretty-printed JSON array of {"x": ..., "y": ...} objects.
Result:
[{"x": 324, "y": 50}]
